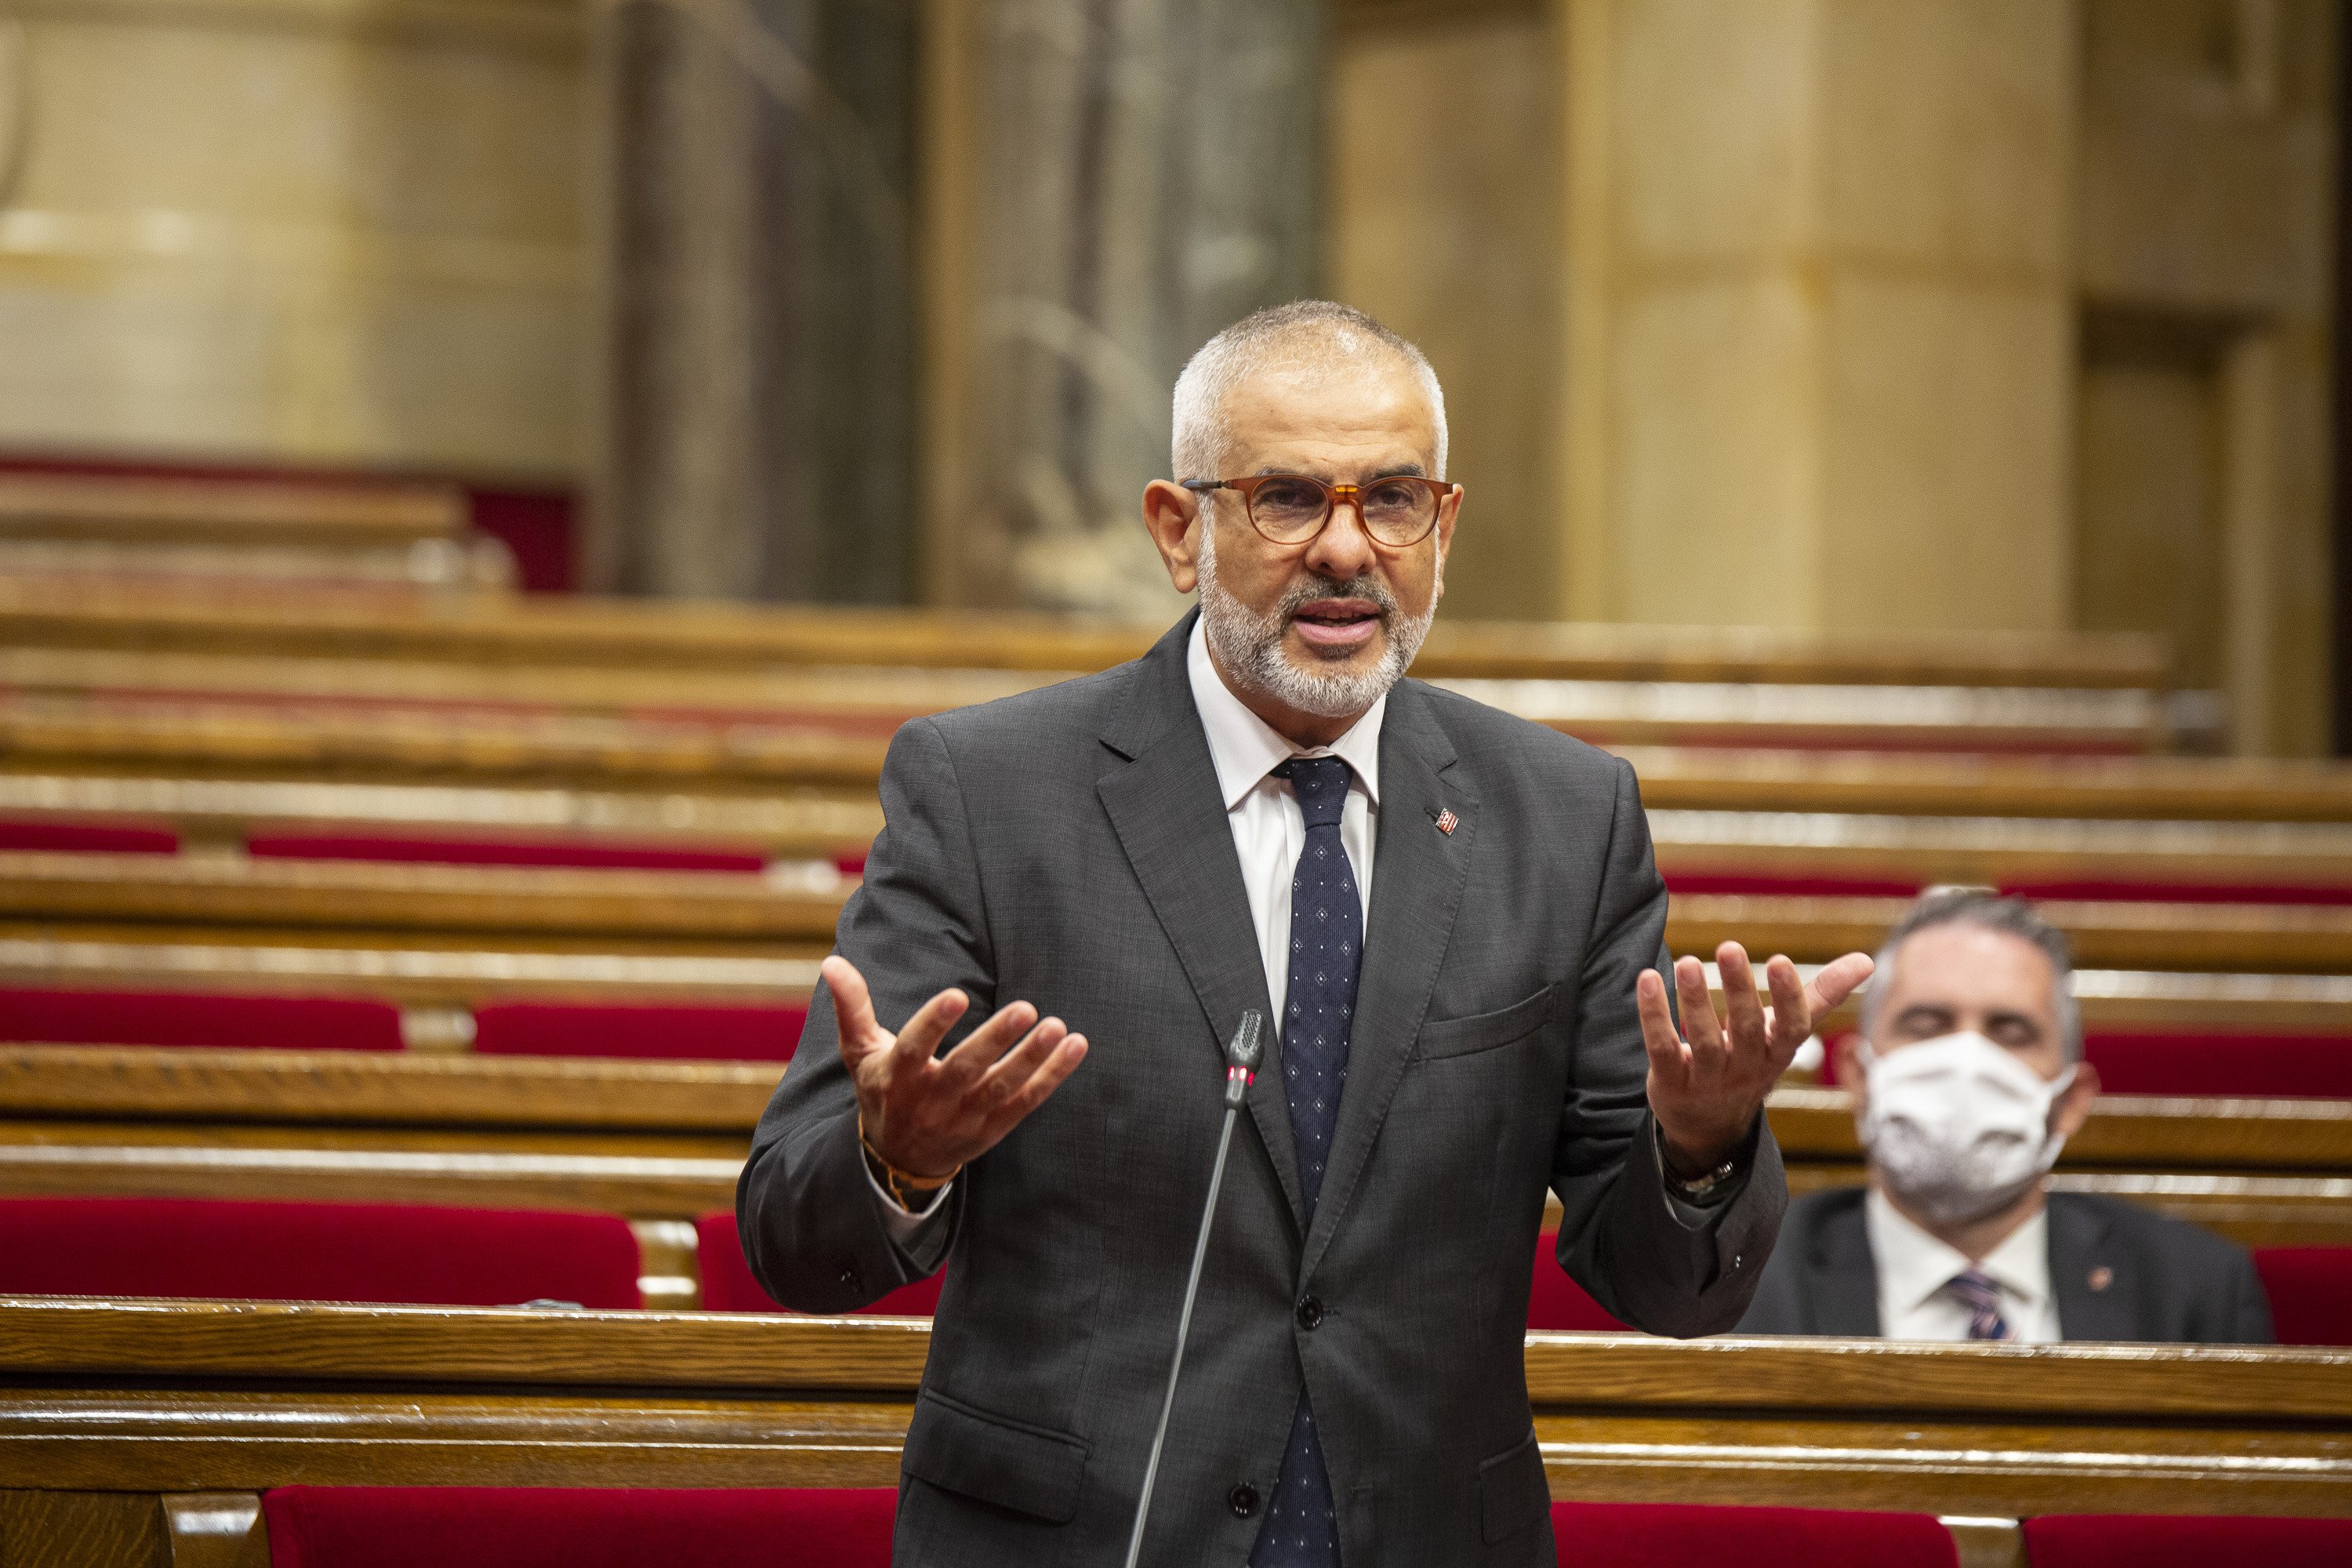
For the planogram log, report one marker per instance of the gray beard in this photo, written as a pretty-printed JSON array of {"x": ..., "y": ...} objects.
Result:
[{"x": 1249, "y": 644}]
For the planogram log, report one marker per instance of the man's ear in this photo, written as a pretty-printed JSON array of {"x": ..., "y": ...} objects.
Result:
[
  {"x": 2074, "y": 1106},
  {"x": 1170, "y": 514}
]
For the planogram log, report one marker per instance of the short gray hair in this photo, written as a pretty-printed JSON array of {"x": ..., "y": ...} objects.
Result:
[
  {"x": 1301, "y": 330},
  {"x": 1987, "y": 910}
]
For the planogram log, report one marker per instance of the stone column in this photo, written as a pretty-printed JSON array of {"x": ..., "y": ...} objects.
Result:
[
  {"x": 1820, "y": 315},
  {"x": 758, "y": 299},
  {"x": 1109, "y": 182}
]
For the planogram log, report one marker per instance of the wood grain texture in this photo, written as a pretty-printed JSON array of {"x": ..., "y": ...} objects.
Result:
[
  {"x": 195, "y": 1397},
  {"x": 215, "y": 1530},
  {"x": 54, "y": 1529},
  {"x": 341, "y": 1087},
  {"x": 2247, "y": 938},
  {"x": 726, "y": 906}
]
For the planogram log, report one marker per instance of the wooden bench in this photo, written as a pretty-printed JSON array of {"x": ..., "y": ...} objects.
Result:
[
  {"x": 150, "y": 1426},
  {"x": 664, "y": 1140},
  {"x": 245, "y": 900},
  {"x": 60, "y": 527},
  {"x": 615, "y": 633}
]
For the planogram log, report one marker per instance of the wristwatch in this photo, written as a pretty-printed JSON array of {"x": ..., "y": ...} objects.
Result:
[{"x": 1701, "y": 1189}]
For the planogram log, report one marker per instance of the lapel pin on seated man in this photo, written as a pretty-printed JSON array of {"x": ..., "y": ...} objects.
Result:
[
  {"x": 1968, "y": 1078},
  {"x": 1016, "y": 1068}
]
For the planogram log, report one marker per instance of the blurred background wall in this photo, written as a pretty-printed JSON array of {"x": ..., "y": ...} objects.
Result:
[{"x": 1985, "y": 315}]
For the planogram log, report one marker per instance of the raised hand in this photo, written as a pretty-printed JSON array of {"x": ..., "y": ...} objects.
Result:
[
  {"x": 1705, "y": 1090},
  {"x": 927, "y": 1114}
]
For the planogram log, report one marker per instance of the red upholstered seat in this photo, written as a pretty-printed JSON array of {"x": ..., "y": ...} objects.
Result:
[
  {"x": 584, "y": 1527},
  {"x": 728, "y": 1285},
  {"x": 1790, "y": 885},
  {"x": 1556, "y": 1301},
  {"x": 2286, "y": 1066},
  {"x": 2121, "y": 892},
  {"x": 315, "y": 1252},
  {"x": 2310, "y": 1290},
  {"x": 1647, "y": 1535},
  {"x": 551, "y": 850},
  {"x": 198, "y": 1018},
  {"x": 87, "y": 837},
  {"x": 2140, "y": 1541},
  {"x": 579, "y": 1029}
]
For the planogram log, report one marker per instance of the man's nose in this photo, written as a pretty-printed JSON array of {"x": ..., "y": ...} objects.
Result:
[{"x": 1343, "y": 549}]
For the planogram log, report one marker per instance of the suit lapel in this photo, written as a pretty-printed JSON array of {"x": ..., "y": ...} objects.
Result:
[
  {"x": 2078, "y": 1254},
  {"x": 1844, "y": 1282},
  {"x": 1418, "y": 874},
  {"x": 1164, "y": 803}
]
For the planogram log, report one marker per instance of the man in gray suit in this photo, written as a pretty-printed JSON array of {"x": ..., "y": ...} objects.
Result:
[
  {"x": 1969, "y": 1078},
  {"x": 1451, "y": 914}
]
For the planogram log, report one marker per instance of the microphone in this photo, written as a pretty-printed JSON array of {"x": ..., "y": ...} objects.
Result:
[{"x": 1243, "y": 1054}]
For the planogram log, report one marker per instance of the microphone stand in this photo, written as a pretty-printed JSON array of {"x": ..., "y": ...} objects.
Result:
[{"x": 1243, "y": 1054}]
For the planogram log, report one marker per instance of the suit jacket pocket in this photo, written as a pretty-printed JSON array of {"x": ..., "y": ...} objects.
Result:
[
  {"x": 1486, "y": 1031},
  {"x": 1029, "y": 1469},
  {"x": 1512, "y": 1492}
]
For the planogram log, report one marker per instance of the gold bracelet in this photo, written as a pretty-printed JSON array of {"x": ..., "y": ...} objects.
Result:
[{"x": 904, "y": 1186}]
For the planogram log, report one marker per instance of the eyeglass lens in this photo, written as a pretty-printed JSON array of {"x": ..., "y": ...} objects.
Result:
[{"x": 1396, "y": 511}]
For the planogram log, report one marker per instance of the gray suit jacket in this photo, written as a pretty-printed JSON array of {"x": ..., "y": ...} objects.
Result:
[
  {"x": 2163, "y": 1281},
  {"x": 1070, "y": 846}
]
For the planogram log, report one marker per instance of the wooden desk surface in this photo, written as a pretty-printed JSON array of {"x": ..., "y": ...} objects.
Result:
[{"x": 192, "y": 1396}]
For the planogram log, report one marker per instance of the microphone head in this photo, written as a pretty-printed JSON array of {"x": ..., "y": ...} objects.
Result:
[{"x": 1247, "y": 1048}]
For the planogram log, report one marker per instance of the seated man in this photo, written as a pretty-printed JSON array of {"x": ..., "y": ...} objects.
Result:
[{"x": 1967, "y": 1077}]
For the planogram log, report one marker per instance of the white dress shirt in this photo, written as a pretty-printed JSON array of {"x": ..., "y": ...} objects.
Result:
[
  {"x": 1914, "y": 1268},
  {"x": 1269, "y": 830}
]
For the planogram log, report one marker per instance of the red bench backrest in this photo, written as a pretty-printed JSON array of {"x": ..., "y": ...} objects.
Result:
[
  {"x": 1558, "y": 1303},
  {"x": 87, "y": 837},
  {"x": 728, "y": 1285},
  {"x": 315, "y": 1252},
  {"x": 755, "y": 1033},
  {"x": 550, "y": 850},
  {"x": 198, "y": 1018},
  {"x": 2310, "y": 1290},
  {"x": 2139, "y": 1541},
  {"x": 584, "y": 1527},
  {"x": 1646, "y": 1535}
]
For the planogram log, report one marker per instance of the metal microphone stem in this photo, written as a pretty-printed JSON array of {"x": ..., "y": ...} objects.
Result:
[{"x": 1242, "y": 1059}]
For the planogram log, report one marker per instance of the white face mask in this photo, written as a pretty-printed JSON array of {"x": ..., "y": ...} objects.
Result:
[{"x": 1956, "y": 1127}]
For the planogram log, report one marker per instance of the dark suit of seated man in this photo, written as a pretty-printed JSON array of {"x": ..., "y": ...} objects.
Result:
[
  {"x": 1968, "y": 1079},
  {"x": 1450, "y": 918}
]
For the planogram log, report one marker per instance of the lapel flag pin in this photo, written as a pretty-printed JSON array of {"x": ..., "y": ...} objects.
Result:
[
  {"x": 2101, "y": 1277},
  {"x": 1447, "y": 822}
]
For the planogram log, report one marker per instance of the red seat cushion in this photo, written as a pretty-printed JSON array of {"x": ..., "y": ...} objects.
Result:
[
  {"x": 462, "y": 1527},
  {"x": 728, "y": 1285},
  {"x": 2310, "y": 1290},
  {"x": 551, "y": 850},
  {"x": 751, "y": 1034},
  {"x": 178, "y": 1018},
  {"x": 315, "y": 1252},
  {"x": 1645, "y": 1535},
  {"x": 1558, "y": 1302},
  {"x": 2142, "y": 1541},
  {"x": 87, "y": 837},
  {"x": 2288, "y": 1066}
]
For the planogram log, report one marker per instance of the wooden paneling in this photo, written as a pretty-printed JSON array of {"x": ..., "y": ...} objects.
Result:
[
  {"x": 197, "y": 1396},
  {"x": 623, "y": 634},
  {"x": 2244, "y": 937},
  {"x": 723, "y": 908},
  {"x": 82, "y": 1530}
]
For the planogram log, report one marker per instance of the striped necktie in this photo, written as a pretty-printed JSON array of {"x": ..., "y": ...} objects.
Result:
[{"x": 1981, "y": 1297}]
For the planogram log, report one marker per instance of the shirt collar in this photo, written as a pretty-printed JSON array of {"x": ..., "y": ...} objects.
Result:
[
  {"x": 1245, "y": 748},
  {"x": 1913, "y": 1266}
]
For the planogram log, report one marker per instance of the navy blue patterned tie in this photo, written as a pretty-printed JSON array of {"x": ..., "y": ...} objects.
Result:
[{"x": 1326, "y": 953}]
